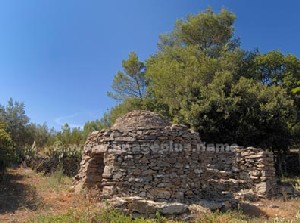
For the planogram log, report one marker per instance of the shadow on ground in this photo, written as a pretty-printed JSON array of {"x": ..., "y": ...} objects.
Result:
[
  {"x": 251, "y": 210},
  {"x": 16, "y": 195}
]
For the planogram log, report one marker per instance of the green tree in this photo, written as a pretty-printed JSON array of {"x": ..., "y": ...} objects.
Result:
[
  {"x": 97, "y": 125},
  {"x": 190, "y": 56},
  {"x": 274, "y": 68},
  {"x": 202, "y": 78},
  {"x": 65, "y": 136},
  {"x": 208, "y": 31},
  {"x": 245, "y": 112},
  {"x": 7, "y": 151},
  {"x": 206, "y": 94},
  {"x": 219, "y": 90},
  {"x": 130, "y": 82},
  {"x": 16, "y": 120},
  {"x": 295, "y": 128},
  {"x": 77, "y": 137},
  {"x": 38, "y": 134}
]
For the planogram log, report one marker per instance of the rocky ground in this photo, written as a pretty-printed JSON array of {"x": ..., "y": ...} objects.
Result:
[{"x": 25, "y": 195}]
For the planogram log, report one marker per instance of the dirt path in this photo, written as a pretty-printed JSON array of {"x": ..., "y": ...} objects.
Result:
[{"x": 24, "y": 194}]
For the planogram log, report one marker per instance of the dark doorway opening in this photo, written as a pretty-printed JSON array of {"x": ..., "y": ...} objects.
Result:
[{"x": 95, "y": 171}]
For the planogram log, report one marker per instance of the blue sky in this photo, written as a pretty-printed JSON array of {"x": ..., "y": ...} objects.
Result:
[{"x": 59, "y": 56}]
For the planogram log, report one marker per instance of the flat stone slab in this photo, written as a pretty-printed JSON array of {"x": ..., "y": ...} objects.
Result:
[
  {"x": 140, "y": 207},
  {"x": 148, "y": 207}
]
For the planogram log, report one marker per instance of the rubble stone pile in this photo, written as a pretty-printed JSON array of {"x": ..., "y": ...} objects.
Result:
[{"x": 256, "y": 167}]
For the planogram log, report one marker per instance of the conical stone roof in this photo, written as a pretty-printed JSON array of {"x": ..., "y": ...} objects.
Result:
[{"x": 140, "y": 119}]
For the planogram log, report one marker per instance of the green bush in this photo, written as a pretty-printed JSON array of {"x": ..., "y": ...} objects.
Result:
[{"x": 7, "y": 150}]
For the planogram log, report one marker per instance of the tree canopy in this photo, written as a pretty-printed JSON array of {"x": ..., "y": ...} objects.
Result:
[
  {"x": 201, "y": 77},
  {"x": 207, "y": 30},
  {"x": 6, "y": 150},
  {"x": 130, "y": 82}
]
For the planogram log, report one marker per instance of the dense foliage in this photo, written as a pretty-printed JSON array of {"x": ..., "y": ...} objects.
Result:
[
  {"x": 6, "y": 149},
  {"x": 201, "y": 77},
  {"x": 20, "y": 139}
]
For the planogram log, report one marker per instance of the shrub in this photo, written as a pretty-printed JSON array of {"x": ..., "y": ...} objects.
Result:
[{"x": 7, "y": 150}]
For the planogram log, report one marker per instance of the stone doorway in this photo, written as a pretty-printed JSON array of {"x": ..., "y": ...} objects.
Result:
[{"x": 95, "y": 171}]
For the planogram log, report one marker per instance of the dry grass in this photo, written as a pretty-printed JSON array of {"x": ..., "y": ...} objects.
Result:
[
  {"x": 276, "y": 210},
  {"x": 26, "y": 196}
]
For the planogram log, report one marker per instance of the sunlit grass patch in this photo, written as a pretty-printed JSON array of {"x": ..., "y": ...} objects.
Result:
[
  {"x": 56, "y": 181},
  {"x": 109, "y": 215}
]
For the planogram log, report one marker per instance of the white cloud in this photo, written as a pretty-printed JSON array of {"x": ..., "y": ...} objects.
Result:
[
  {"x": 78, "y": 119},
  {"x": 73, "y": 120}
]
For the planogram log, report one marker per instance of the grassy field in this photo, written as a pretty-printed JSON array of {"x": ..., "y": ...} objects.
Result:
[{"x": 28, "y": 197}]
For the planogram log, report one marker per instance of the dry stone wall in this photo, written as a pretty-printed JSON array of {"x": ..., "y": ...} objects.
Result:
[{"x": 142, "y": 155}]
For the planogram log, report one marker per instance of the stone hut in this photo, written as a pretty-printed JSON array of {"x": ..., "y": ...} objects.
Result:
[{"x": 144, "y": 155}]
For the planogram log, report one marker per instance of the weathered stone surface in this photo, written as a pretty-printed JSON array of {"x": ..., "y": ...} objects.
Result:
[
  {"x": 99, "y": 149},
  {"x": 160, "y": 193},
  {"x": 108, "y": 191},
  {"x": 148, "y": 207},
  {"x": 143, "y": 155},
  {"x": 173, "y": 208},
  {"x": 142, "y": 206},
  {"x": 140, "y": 120},
  {"x": 139, "y": 206}
]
